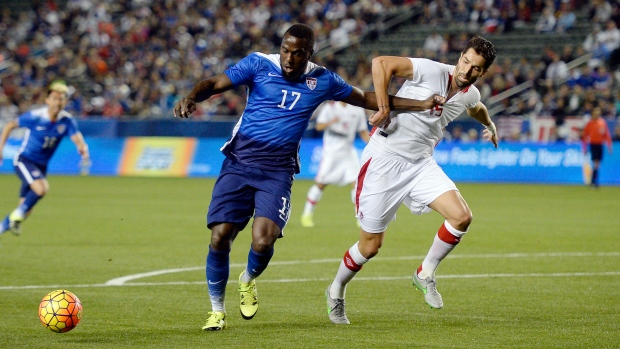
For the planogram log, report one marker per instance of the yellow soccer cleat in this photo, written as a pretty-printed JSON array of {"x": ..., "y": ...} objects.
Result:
[
  {"x": 306, "y": 221},
  {"x": 15, "y": 220},
  {"x": 248, "y": 298},
  {"x": 215, "y": 322}
]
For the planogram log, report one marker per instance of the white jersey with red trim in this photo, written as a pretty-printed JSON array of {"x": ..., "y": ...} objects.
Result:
[
  {"x": 339, "y": 136},
  {"x": 414, "y": 135}
]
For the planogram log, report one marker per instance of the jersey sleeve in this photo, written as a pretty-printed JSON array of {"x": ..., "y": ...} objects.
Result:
[
  {"x": 339, "y": 88},
  {"x": 26, "y": 120},
  {"x": 243, "y": 72},
  {"x": 325, "y": 115},
  {"x": 72, "y": 127}
]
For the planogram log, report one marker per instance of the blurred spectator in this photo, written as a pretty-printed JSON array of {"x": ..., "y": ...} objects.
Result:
[
  {"x": 566, "y": 17},
  {"x": 8, "y": 110},
  {"x": 434, "y": 43},
  {"x": 616, "y": 135},
  {"x": 556, "y": 71},
  {"x": 600, "y": 11},
  {"x": 547, "y": 21}
]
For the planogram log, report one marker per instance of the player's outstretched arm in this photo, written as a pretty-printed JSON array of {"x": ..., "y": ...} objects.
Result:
[
  {"x": 80, "y": 144},
  {"x": 201, "y": 92},
  {"x": 480, "y": 113},
  {"x": 368, "y": 100},
  {"x": 6, "y": 130}
]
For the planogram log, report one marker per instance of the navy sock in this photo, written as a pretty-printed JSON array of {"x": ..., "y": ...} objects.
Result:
[
  {"x": 218, "y": 270},
  {"x": 30, "y": 200},
  {"x": 257, "y": 262}
]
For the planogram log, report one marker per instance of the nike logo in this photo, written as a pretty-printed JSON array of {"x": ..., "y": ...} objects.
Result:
[
  {"x": 214, "y": 283},
  {"x": 40, "y": 128},
  {"x": 272, "y": 74}
]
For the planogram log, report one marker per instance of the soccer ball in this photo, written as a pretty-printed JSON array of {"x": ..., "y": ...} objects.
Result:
[{"x": 60, "y": 311}]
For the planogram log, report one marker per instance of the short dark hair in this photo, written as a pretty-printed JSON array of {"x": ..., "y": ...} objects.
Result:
[
  {"x": 302, "y": 31},
  {"x": 482, "y": 47}
]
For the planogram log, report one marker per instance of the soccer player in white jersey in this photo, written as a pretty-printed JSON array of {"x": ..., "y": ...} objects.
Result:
[
  {"x": 340, "y": 164},
  {"x": 262, "y": 155},
  {"x": 46, "y": 127},
  {"x": 398, "y": 167}
]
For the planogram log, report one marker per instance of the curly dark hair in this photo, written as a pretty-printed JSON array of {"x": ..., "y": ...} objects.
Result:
[{"x": 484, "y": 48}]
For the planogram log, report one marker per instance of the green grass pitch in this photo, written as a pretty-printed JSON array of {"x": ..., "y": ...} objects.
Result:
[{"x": 540, "y": 268}]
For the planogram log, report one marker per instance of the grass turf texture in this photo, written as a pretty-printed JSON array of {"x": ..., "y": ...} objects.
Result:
[{"x": 513, "y": 282}]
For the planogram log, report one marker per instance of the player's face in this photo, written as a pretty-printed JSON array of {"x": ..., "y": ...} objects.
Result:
[
  {"x": 469, "y": 68},
  {"x": 294, "y": 56},
  {"x": 56, "y": 102}
]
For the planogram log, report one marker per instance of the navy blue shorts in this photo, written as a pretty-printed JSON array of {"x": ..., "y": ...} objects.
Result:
[
  {"x": 242, "y": 191},
  {"x": 28, "y": 172}
]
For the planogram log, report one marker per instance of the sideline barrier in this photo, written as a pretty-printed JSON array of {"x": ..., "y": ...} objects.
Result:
[{"x": 555, "y": 163}]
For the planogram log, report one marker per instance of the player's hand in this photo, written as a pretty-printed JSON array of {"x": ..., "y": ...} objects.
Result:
[
  {"x": 433, "y": 101},
  {"x": 380, "y": 118},
  {"x": 184, "y": 108},
  {"x": 486, "y": 134}
]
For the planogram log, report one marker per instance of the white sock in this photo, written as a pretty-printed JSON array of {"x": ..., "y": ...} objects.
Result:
[
  {"x": 351, "y": 263},
  {"x": 445, "y": 241},
  {"x": 217, "y": 304},
  {"x": 245, "y": 277},
  {"x": 312, "y": 198}
]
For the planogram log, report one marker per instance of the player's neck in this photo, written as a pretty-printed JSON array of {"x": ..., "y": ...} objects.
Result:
[{"x": 53, "y": 117}]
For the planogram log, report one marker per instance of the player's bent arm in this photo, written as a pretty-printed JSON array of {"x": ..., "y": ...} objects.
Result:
[
  {"x": 480, "y": 113},
  {"x": 365, "y": 136},
  {"x": 322, "y": 126},
  {"x": 6, "y": 130},
  {"x": 80, "y": 144},
  {"x": 202, "y": 91},
  {"x": 383, "y": 68},
  {"x": 368, "y": 100}
]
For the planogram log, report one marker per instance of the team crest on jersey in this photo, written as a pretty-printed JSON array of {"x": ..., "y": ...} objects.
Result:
[
  {"x": 311, "y": 83},
  {"x": 61, "y": 128}
]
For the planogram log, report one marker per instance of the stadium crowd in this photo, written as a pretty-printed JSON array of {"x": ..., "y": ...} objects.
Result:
[{"x": 134, "y": 58}]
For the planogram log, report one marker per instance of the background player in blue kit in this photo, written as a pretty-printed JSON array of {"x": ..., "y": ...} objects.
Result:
[
  {"x": 46, "y": 128},
  {"x": 262, "y": 155}
]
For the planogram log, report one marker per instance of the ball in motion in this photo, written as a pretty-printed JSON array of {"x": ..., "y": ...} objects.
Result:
[{"x": 60, "y": 311}]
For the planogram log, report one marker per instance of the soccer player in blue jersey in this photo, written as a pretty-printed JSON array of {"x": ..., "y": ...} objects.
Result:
[
  {"x": 46, "y": 127},
  {"x": 262, "y": 155}
]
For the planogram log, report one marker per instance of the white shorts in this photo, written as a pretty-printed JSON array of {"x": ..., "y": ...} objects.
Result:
[
  {"x": 386, "y": 182},
  {"x": 339, "y": 169}
]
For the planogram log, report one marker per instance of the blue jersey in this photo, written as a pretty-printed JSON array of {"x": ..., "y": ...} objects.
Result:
[
  {"x": 43, "y": 136},
  {"x": 277, "y": 111}
]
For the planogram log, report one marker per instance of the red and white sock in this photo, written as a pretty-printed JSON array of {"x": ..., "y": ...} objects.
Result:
[
  {"x": 312, "y": 198},
  {"x": 445, "y": 241},
  {"x": 351, "y": 263}
]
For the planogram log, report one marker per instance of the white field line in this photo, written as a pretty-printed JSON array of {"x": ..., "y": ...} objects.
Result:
[
  {"x": 379, "y": 278},
  {"x": 123, "y": 281}
]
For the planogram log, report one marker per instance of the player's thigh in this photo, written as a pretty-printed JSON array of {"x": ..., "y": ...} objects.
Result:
[
  {"x": 29, "y": 171},
  {"x": 382, "y": 185},
  {"x": 596, "y": 152},
  {"x": 435, "y": 190},
  {"x": 273, "y": 201},
  {"x": 232, "y": 201}
]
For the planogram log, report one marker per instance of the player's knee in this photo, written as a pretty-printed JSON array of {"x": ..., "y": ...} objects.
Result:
[
  {"x": 370, "y": 248},
  {"x": 463, "y": 220},
  {"x": 40, "y": 188}
]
